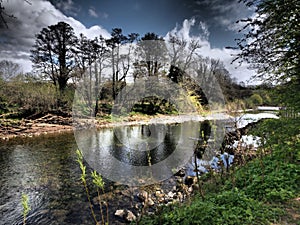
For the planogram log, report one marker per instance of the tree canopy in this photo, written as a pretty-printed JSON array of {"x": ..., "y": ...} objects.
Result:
[
  {"x": 272, "y": 39},
  {"x": 271, "y": 44},
  {"x": 53, "y": 53}
]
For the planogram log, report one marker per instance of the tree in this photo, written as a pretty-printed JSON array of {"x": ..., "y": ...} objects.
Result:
[
  {"x": 114, "y": 43},
  {"x": 53, "y": 53},
  {"x": 271, "y": 44},
  {"x": 90, "y": 58},
  {"x": 9, "y": 69},
  {"x": 151, "y": 51},
  {"x": 272, "y": 39},
  {"x": 182, "y": 54}
]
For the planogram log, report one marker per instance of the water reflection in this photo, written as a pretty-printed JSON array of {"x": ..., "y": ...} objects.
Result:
[
  {"x": 45, "y": 167},
  {"x": 129, "y": 154}
]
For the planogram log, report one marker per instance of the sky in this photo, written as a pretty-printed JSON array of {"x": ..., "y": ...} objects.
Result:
[{"x": 213, "y": 22}]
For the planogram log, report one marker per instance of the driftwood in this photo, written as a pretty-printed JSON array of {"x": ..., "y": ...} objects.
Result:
[{"x": 44, "y": 124}]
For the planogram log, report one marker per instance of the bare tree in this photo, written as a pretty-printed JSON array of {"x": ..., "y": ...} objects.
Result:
[{"x": 9, "y": 69}]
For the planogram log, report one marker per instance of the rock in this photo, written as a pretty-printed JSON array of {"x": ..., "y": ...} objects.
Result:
[
  {"x": 180, "y": 173},
  {"x": 142, "y": 196},
  {"x": 180, "y": 180},
  {"x": 195, "y": 186},
  {"x": 180, "y": 196},
  {"x": 171, "y": 194},
  {"x": 120, "y": 213},
  {"x": 150, "y": 202},
  {"x": 189, "y": 180},
  {"x": 157, "y": 193},
  {"x": 125, "y": 214},
  {"x": 130, "y": 216}
]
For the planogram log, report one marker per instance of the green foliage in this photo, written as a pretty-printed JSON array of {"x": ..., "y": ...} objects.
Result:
[
  {"x": 97, "y": 180},
  {"x": 259, "y": 189},
  {"x": 270, "y": 180},
  {"x": 26, "y": 207},
  {"x": 82, "y": 166},
  {"x": 256, "y": 99},
  {"x": 270, "y": 42},
  {"x": 228, "y": 207},
  {"x": 56, "y": 61},
  {"x": 271, "y": 45},
  {"x": 275, "y": 177}
]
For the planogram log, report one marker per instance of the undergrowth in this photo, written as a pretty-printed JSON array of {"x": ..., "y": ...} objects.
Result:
[{"x": 256, "y": 193}]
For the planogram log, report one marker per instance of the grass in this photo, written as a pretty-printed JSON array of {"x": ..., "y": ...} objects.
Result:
[{"x": 264, "y": 191}]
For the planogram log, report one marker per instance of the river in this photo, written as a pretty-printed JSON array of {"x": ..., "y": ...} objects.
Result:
[{"x": 45, "y": 168}]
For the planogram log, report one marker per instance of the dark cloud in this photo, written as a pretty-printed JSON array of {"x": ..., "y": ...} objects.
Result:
[{"x": 28, "y": 20}]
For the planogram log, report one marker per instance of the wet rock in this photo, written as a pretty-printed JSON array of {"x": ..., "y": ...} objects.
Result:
[
  {"x": 157, "y": 193},
  {"x": 195, "y": 187},
  {"x": 150, "y": 202},
  {"x": 171, "y": 194},
  {"x": 127, "y": 215},
  {"x": 120, "y": 213},
  {"x": 180, "y": 196},
  {"x": 179, "y": 180},
  {"x": 130, "y": 216},
  {"x": 189, "y": 180},
  {"x": 180, "y": 173},
  {"x": 142, "y": 196}
]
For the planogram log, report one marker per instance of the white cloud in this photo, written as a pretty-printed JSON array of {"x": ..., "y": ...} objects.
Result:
[
  {"x": 225, "y": 55},
  {"x": 16, "y": 42},
  {"x": 93, "y": 13},
  {"x": 67, "y": 6}
]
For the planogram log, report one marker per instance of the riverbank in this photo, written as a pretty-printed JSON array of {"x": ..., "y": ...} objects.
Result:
[
  {"x": 11, "y": 128},
  {"x": 51, "y": 124},
  {"x": 265, "y": 190}
]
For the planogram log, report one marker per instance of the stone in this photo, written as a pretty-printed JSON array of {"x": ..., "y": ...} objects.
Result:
[
  {"x": 180, "y": 173},
  {"x": 150, "y": 202},
  {"x": 180, "y": 180},
  {"x": 125, "y": 214},
  {"x": 171, "y": 194},
  {"x": 120, "y": 213},
  {"x": 130, "y": 216},
  {"x": 157, "y": 193},
  {"x": 180, "y": 196},
  {"x": 189, "y": 180},
  {"x": 195, "y": 186},
  {"x": 142, "y": 196}
]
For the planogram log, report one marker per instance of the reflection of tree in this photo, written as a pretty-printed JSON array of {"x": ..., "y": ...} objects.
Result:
[
  {"x": 156, "y": 147},
  {"x": 204, "y": 135}
]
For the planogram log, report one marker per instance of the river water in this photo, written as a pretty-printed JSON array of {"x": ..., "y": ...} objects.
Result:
[{"x": 45, "y": 168}]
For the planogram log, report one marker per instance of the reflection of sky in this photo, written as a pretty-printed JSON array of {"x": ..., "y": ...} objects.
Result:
[
  {"x": 119, "y": 154},
  {"x": 23, "y": 172}
]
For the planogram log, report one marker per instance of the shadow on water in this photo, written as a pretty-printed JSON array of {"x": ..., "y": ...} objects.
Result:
[{"x": 45, "y": 169}]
